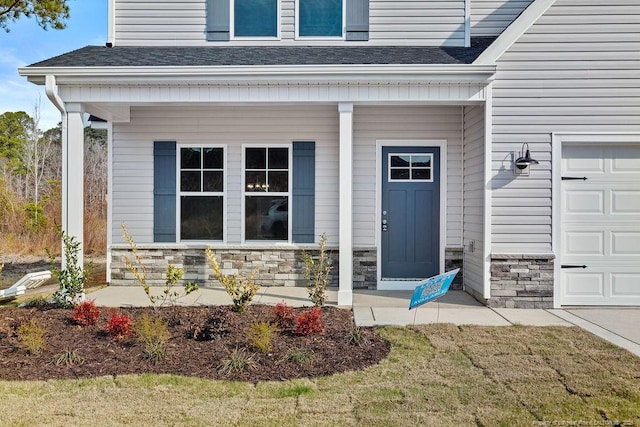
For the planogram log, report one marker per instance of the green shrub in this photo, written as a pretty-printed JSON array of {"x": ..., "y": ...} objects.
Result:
[
  {"x": 261, "y": 334},
  {"x": 241, "y": 290},
  {"x": 299, "y": 356},
  {"x": 31, "y": 336},
  {"x": 316, "y": 273},
  {"x": 238, "y": 361},
  {"x": 35, "y": 219},
  {"x": 168, "y": 296},
  {"x": 70, "y": 279},
  {"x": 153, "y": 334}
]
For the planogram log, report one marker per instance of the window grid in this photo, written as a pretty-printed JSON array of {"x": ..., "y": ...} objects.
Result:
[
  {"x": 212, "y": 201},
  {"x": 274, "y": 225},
  {"x": 417, "y": 167}
]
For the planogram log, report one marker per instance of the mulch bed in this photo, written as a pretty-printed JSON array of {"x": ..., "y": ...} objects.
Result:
[{"x": 201, "y": 339}]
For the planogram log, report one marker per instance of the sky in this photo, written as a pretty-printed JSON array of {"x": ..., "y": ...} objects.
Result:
[{"x": 27, "y": 43}]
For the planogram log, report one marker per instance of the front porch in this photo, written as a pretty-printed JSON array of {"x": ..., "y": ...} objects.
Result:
[{"x": 348, "y": 122}]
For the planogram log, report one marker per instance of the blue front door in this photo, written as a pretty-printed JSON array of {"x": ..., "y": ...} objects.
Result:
[{"x": 410, "y": 212}]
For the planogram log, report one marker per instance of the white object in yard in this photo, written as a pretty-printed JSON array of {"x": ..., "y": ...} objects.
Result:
[{"x": 29, "y": 281}]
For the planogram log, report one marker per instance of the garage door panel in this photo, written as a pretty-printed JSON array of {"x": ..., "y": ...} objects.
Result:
[
  {"x": 584, "y": 159},
  {"x": 584, "y": 243},
  {"x": 625, "y": 243},
  {"x": 625, "y": 284},
  {"x": 600, "y": 225},
  {"x": 625, "y": 202},
  {"x": 578, "y": 202},
  {"x": 583, "y": 284},
  {"x": 625, "y": 159}
]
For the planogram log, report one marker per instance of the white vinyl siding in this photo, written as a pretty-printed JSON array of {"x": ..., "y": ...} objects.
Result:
[
  {"x": 375, "y": 123},
  {"x": 233, "y": 126},
  {"x": 422, "y": 22},
  {"x": 473, "y": 220},
  {"x": 490, "y": 17},
  {"x": 183, "y": 23},
  {"x": 576, "y": 70}
]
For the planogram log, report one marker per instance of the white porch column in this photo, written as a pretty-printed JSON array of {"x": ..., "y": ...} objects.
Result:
[
  {"x": 345, "y": 290},
  {"x": 73, "y": 175}
]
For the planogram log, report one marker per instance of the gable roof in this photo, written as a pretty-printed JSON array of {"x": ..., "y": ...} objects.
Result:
[
  {"x": 514, "y": 31},
  {"x": 193, "y": 56}
]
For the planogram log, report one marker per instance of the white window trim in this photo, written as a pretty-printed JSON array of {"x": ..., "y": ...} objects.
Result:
[
  {"x": 232, "y": 25},
  {"x": 430, "y": 168},
  {"x": 244, "y": 194},
  {"x": 188, "y": 193},
  {"x": 307, "y": 38}
]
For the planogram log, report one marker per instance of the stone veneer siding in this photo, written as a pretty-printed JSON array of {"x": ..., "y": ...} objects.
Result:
[
  {"x": 273, "y": 267},
  {"x": 521, "y": 281}
]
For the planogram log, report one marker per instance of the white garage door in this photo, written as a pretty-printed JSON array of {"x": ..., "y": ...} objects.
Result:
[{"x": 600, "y": 248}]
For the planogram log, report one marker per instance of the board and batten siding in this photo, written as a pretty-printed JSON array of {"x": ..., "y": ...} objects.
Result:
[
  {"x": 375, "y": 123},
  {"x": 489, "y": 18},
  {"x": 233, "y": 126},
  {"x": 473, "y": 187},
  {"x": 183, "y": 23},
  {"x": 577, "y": 69}
]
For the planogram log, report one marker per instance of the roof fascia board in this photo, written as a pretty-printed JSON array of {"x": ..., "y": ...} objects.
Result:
[
  {"x": 513, "y": 32},
  {"x": 124, "y": 75}
]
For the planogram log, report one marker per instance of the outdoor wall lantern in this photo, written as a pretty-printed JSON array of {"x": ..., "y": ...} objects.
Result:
[{"x": 523, "y": 161}]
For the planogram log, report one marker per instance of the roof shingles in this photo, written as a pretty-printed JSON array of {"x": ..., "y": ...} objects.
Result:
[{"x": 191, "y": 56}]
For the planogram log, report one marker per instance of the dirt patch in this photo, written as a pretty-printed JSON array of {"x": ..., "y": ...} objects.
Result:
[{"x": 189, "y": 352}]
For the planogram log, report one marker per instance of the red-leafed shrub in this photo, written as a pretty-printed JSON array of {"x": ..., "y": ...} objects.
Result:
[
  {"x": 86, "y": 313},
  {"x": 119, "y": 325},
  {"x": 284, "y": 315},
  {"x": 310, "y": 322}
]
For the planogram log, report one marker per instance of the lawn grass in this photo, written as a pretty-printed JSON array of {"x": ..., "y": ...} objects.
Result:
[{"x": 435, "y": 375}]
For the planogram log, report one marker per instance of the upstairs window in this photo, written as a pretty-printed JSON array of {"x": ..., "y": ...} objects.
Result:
[
  {"x": 255, "y": 18},
  {"x": 320, "y": 18}
]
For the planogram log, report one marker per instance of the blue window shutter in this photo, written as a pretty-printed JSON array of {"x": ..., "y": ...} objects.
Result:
[
  {"x": 164, "y": 191},
  {"x": 218, "y": 20},
  {"x": 357, "y": 20},
  {"x": 303, "y": 192}
]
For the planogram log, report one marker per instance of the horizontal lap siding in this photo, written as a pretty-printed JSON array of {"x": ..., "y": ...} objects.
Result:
[
  {"x": 233, "y": 126},
  {"x": 417, "y": 22},
  {"x": 576, "y": 70},
  {"x": 473, "y": 216},
  {"x": 180, "y": 23},
  {"x": 489, "y": 18},
  {"x": 391, "y": 22},
  {"x": 372, "y": 124}
]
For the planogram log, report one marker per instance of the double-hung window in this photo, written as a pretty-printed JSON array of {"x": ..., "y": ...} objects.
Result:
[
  {"x": 201, "y": 192},
  {"x": 267, "y": 193},
  {"x": 255, "y": 18},
  {"x": 320, "y": 18}
]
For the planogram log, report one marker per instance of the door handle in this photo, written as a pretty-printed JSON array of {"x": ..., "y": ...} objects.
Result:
[{"x": 384, "y": 225}]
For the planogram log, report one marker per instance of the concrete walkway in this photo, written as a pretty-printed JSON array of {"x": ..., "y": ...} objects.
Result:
[{"x": 375, "y": 308}]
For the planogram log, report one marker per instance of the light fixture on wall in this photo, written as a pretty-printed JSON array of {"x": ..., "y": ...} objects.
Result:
[{"x": 525, "y": 160}]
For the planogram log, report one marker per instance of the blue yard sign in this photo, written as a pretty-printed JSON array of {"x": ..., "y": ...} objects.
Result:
[{"x": 432, "y": 288}]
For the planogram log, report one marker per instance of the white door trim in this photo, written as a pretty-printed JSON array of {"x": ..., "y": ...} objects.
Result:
[
  {"x": 439, "y": 143},
  {"x": 557, "y": 141}
]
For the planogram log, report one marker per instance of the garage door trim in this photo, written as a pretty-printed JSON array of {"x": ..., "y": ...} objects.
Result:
[{"x": 558, "y": 139}]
